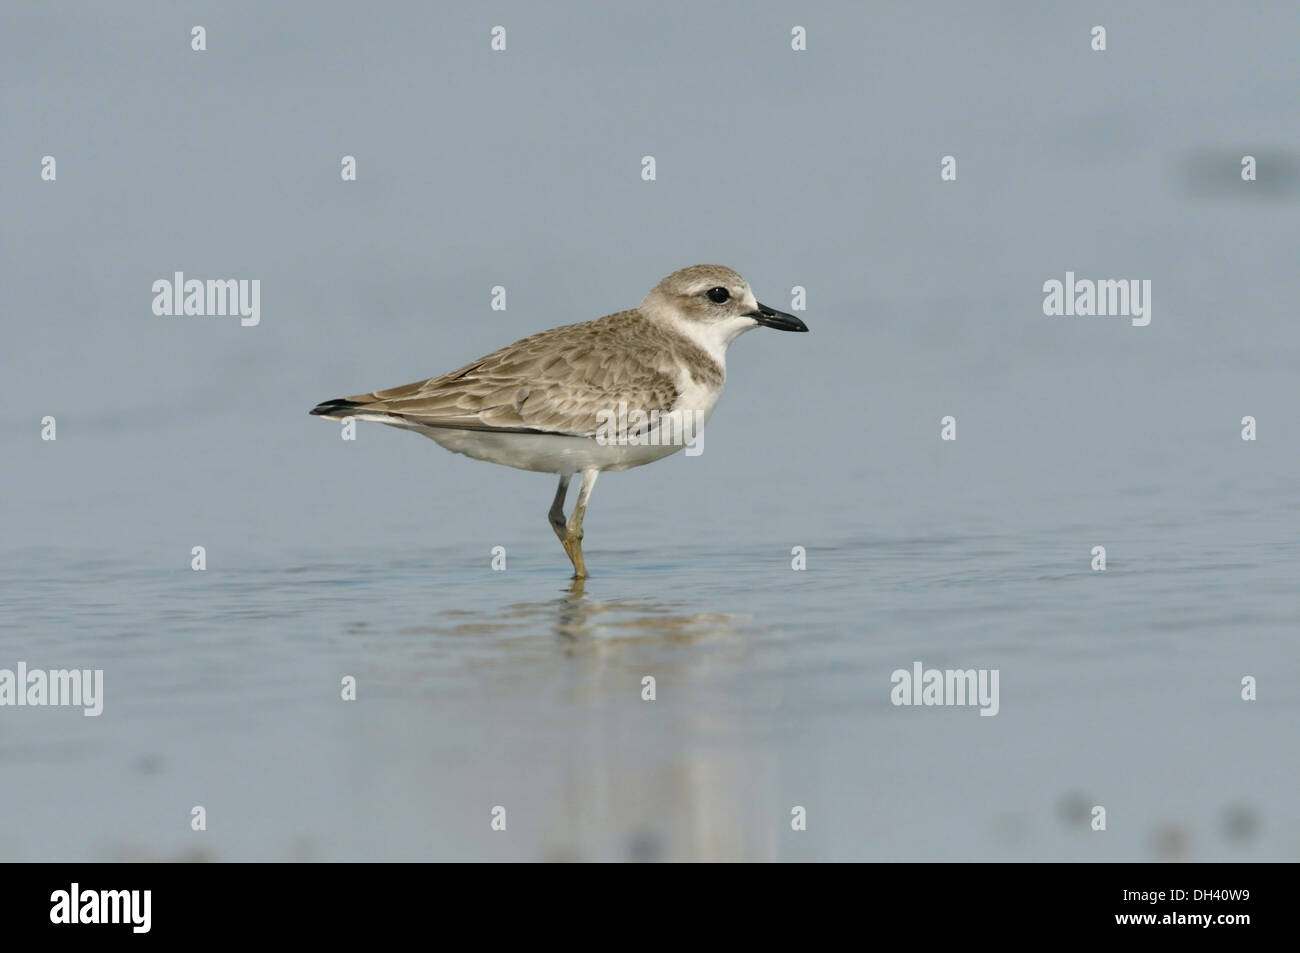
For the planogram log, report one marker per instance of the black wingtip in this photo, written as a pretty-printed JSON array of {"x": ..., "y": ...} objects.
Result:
[{"x": 331, "y": 407}]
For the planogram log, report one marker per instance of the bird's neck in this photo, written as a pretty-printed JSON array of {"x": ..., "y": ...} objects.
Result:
[{"x": 711, "y": 337}]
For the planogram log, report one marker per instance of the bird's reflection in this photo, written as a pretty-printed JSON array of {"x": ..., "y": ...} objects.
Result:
[
  {"x": 573, "y": 610},
  {"x": 578, "y": 616},
  {"x": 639, "y": 703},
  {"x": 652, "y": 778}
]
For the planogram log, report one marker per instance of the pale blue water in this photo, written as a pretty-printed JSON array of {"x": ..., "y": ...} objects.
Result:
[
  {"x": 479, "y": 689},
  {"x": 371, "y": 558}
]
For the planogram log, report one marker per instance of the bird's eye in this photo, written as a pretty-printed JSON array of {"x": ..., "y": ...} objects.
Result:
[{"x": 718, "y": 295}]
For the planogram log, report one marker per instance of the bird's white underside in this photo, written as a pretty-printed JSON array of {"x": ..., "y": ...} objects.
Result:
[{"x": 546, "y": 453}]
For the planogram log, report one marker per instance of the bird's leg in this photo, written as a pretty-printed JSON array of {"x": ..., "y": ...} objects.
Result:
[
  {"x": 572, "y": 538},
  {"x": 557, "y": 508}
]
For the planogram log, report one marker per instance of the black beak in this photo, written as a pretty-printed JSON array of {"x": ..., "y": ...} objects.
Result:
[{"x": 772, "y": 318}]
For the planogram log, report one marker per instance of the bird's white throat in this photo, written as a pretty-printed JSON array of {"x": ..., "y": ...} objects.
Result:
[{"x": 713, "y": 337}]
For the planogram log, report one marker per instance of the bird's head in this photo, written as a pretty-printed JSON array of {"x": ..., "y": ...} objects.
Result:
[{"x": 714, "y": 302}]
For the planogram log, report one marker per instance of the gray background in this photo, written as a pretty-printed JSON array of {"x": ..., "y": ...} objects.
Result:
[{"x": 522, "y": 169}]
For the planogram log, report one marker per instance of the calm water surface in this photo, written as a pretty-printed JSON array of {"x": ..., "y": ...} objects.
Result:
[{"x": 519, "y": 689}]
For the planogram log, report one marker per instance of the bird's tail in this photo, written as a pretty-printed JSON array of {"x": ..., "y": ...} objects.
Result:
[{"x": 335, "y": 409}]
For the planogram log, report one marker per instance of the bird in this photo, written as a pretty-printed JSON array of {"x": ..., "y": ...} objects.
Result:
[{"x": 614, "y": 393}]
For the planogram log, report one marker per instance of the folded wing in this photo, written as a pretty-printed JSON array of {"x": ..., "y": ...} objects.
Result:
[{"x": 557, "y": 382}]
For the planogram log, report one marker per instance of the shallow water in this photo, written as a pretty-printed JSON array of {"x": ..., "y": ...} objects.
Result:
[
  {"x": 372, "y": 558},
  {"x": 479, "y": 689}
]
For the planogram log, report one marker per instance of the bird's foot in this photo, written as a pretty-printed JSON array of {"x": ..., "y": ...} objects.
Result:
[{"x": 572, "y": 541}]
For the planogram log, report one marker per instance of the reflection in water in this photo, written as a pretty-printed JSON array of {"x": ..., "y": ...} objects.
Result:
[
  {"x": 650, "y": 759},
  {"x": 579, "y": 616},
  {"x": 649, "y": 780},
  {"x": 480, "y": 690},
  {"x": 582, "y": 621}
]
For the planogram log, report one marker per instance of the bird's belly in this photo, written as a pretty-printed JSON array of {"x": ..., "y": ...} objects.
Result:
[{"x": 546, "y": 453}]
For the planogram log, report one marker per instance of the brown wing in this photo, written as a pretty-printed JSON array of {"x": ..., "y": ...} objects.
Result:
[{"x": 553, "y": 382}]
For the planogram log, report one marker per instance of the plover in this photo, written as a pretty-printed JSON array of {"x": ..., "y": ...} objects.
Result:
[{"x": 546, "y": 403}]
